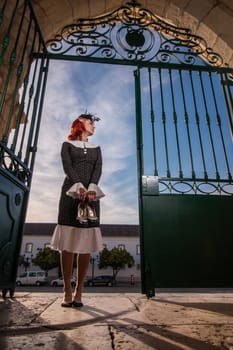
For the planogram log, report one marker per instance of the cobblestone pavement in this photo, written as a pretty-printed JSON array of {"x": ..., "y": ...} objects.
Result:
[{"x": 169, "y": 321}]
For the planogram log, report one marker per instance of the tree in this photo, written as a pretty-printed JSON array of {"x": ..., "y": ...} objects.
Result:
[
  {"x": 24, "y": 262},
  {"x": 115, "y": 258},
  {"x": 47, "y": 259}
]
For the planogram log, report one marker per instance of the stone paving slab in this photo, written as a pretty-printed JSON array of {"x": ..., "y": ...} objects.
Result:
[
  {"x": 105, "y": 308},
  {"x": 192, "y": 321},
  {"x": 200, "y": 321}
]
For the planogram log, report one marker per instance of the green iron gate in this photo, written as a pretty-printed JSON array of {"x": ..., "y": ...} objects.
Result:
[
  {"x": 184, "y": 136},
  {"x": 185, "y": 153},
  {"x": 21, "y": 97}
]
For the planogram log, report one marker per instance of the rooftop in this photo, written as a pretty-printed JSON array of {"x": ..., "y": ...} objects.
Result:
[{"x": 45, "y": 229}]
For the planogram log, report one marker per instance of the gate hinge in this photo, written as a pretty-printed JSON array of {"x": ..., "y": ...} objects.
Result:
[{"x": 150, "y": 185}]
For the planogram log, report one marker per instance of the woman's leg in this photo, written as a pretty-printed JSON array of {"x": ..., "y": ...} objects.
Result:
[
  {"x": 83, "y": 261},
  {"x": 66, "y": 259}
]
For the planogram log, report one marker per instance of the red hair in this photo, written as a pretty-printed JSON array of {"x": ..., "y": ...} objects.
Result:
[{"x": 77, "y": 128}]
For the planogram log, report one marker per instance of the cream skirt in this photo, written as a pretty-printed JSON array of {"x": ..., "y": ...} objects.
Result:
[{"x": 76, "y": 239}]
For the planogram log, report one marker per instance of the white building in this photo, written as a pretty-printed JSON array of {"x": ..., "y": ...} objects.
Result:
[{"x": 37, "y": 236}]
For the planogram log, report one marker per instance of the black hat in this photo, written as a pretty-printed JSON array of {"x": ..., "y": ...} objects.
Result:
[{"x": 89, "y": 116}]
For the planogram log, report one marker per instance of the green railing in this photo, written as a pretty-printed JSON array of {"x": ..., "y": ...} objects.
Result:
[
  {"x": 187, "y": 130},
  {"x": 22, "y": 88}
]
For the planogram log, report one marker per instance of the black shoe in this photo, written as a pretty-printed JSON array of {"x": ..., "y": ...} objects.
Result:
[
  {"x": 76, "y": 304},
  {"x": 65, "y": 304}
]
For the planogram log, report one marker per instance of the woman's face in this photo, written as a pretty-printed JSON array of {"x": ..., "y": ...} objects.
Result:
[{"x": 89, "y": 126}]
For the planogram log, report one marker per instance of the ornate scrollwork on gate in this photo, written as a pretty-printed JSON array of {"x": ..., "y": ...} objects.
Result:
[
  {"x": 14, "y": 166},
  {"x": 195, "y": 187},
  {"x": 132, "y": 33}
]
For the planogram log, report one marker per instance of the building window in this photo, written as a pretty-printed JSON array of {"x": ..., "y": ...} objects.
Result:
[
  {"x": 121, "y": 246},
  {"x": 138, "y": 249},
  {"x": 105, "y": 246},
  {"x": 28, "y": 248},
  {"x": 47, "y": 245}
]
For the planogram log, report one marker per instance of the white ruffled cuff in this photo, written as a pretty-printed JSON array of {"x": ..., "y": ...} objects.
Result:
[
  {"x": 98, "y": 191},
  {"x": 74, "y": 190}
]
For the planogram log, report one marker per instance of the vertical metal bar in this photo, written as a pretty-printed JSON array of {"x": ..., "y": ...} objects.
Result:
[
  {"x": 219, "y": 123},
  {"x": 20, "y": 115},
  {"x": 18, "y": 77},
  {"x": 11, "y": 65},
  {"x": 175, "y": 123},
  {"x": 228, "y": 99},
  {"x": 197, "y": 117},
  {"x": 22, "y": 104},
  {"x": 30, "y": 97},
  {"x": 139, "y": 122},
  {"x": 6, "y": 38},
  {"x": 164, "y": 123},
  {"x": 209, "y": 126},
  {"x": 41, "y": 100},
  {"x": 2, "y": 10},
  {"x": 34, "y": 115},
  {"x": 139, "y": 137},
  {"x": 152, "y": 124},
  {"x": 186, "y": 118}
]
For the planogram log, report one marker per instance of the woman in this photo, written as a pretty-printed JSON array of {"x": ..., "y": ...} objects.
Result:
[{"x": 78, "y": 229}]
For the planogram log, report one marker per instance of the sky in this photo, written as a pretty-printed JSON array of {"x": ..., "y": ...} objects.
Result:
[{"x": 107, "y": 91}]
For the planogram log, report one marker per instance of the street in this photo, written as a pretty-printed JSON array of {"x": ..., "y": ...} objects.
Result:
[{"x": 121, "y": 287}]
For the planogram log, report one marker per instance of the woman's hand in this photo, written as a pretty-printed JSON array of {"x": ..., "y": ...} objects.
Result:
[
  {"x": 91, "y": 195},
  {"x": 82, "y": 194}
]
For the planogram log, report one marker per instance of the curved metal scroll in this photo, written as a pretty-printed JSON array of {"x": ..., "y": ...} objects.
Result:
[{"x": 133, "y": 34}]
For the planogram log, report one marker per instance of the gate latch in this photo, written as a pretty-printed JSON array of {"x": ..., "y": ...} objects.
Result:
[{"x": 150, "y": 185}]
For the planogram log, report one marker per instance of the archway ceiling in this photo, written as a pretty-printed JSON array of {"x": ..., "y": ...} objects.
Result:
[{"x": 211, "y": 19}]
